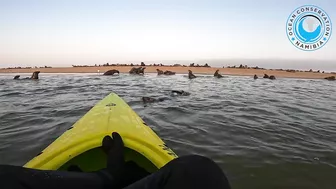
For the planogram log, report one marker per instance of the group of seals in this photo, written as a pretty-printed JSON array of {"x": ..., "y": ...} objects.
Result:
[
  {"x": 272, "y": 77},
  {"x": 138, "y": 71},
  {"x": 160, "y": 72},
  {"x": 192, "y": 76},
  {"x": 34, "y": 76}
]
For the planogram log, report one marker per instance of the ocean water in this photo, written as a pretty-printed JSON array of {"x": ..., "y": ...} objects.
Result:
[{"x": 263, "y": 133}]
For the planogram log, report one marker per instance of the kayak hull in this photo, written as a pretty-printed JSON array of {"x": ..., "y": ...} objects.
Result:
[{"x": 81, "y": 144}]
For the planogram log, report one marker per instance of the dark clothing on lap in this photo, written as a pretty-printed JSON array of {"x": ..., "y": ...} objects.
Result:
[{"x": 188, "y": 172}]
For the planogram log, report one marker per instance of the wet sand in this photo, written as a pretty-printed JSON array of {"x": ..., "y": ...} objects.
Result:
[{"x": 178, "y": 70}]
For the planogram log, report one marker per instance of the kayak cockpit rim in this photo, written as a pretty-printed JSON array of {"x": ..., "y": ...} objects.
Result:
[{"x": 54, "y": 159}]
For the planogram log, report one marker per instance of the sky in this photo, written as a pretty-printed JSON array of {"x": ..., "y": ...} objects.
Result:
[{"x": 67, "y": 32}]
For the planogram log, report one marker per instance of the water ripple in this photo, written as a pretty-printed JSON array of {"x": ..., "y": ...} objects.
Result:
[{"x": 263, "y": 133}]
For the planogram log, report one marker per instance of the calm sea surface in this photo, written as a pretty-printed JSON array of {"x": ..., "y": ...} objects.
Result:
[{"x": 265, "y": 134}]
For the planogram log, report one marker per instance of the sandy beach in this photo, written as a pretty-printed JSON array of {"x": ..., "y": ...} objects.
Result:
[{"x": 178, "y": 70}]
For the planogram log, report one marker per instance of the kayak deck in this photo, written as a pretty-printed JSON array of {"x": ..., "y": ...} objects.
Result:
[
  {"x": 95, "y": 159},
  {"x": 81, "y": 144}
]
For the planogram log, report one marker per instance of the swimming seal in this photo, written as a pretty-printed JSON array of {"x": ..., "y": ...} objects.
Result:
[
  {"x": 34, "y": 76},
  {"x": 111, "y": 72},
  {"x": 141, "y": 70},
  {"x": 272, "y": 77},
  {"x": 133, "y": 70},
  {"x": 151, "y": 99},
  {"x": 169, "y": 73},
  {"x": 216, "y": 74},
  {"x": 330, "y": 78},
  {"x": 180, "y": 92},
  {"x": 266, "y": 76},
  {"x": 159, "y": 72},
  {"x": 191, "y": 75},
  {"x": 138, "y": 71}
]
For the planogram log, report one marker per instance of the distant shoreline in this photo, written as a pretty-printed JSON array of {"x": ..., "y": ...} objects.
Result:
[{"x": 178, "y": 70}]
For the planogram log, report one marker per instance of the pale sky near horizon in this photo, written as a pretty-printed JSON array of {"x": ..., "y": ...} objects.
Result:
[{"x": 66, "y": 32}]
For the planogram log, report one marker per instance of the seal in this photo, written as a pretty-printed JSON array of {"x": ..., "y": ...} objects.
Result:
[
  {"x": 141, "y": 70},
  {"x": 216, "y": 74},
  {"x": 169, "y": 73},
  {"x": 330, "y": 78},
  {"x": 159, "y": 72},
  {"x": 173, "y": 93},
  {"x": 35, "y": 76},
  {"x": 272, "y": 77},
  {"x": 151, "y": 99},
  {"x": 111, "y": 72},
  {"x": 133, "y": 70},
  {"x": 266, "y": 76},
  {"x": 180, "y": 92},
  {"x": 191, "y": 75},
  {"x": 138, "y": 71}
]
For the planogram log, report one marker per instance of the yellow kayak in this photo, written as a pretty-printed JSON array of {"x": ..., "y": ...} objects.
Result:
[{"x": 81, "y": 144}]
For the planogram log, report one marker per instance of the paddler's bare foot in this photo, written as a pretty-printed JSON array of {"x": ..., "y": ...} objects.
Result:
[
  {"x": 123, "y": 173},
  {"x": 114, "y": 148}
]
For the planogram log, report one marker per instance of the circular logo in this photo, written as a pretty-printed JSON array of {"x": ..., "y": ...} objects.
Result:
[{"x": 308, "y": 28}]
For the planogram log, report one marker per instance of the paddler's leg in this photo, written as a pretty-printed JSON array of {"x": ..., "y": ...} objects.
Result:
[
  {"x": 17, "y": 177},
  {"x": 189, "y": 172}
]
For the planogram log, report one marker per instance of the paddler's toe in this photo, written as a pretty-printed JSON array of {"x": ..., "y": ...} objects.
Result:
[
  {"x": 107, "y": 144},
  {"x": 115, "y": 159},
  {"x": 117, "y": 138}
]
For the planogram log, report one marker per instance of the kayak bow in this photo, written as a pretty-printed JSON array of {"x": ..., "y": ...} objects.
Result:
[{"x": 81, "y": 144}]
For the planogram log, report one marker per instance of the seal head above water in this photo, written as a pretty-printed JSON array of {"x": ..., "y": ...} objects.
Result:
[
  {"x": 191, "y": 75},
  {"x": 216, "y": 74},
  {"x": 159, "y": 72}
]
